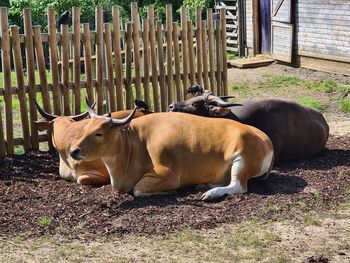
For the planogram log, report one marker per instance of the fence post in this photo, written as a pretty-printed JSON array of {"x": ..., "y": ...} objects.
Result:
[
  {"x": 65, "y": 69},
  {"x": 128, "y": 64},
  {"x": 191, "y": 52},
  {"x": 53, "y": 61},
  {"x": 211, "y": 50},
  {"x": 146, "y": 59},
  {"x": 136, "y": 39},
  {"x": 28, "y": 40},
  {"x": 117, "y": 58},
  {"x": 76, "y": 58},
  {"x": 224, "y": 50},
  {"x": 17, "y": 60},
  {"x": 199, "y": 44},
  {"x": 205, "y": 55},
  {"x": 218, "y": 58},
  {"x": 109, "y": 67},
  {"x": 163, "y": 89},
  {"x": 184, "y": 48},
  {"x": 169, "y": 51},
  {"x": 6, "y": 74},
  {"x": 99, "y": 57},
  {"x": 88, "y": 62},
  {"x": 179, "y": 93}
]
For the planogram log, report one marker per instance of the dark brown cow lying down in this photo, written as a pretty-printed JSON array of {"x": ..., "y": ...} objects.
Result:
[{"x": 296, "y": 131}]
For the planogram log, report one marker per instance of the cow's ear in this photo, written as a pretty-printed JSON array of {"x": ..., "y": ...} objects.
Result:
[
  {"x": 219, "y": 112},
  {"x": 43, "y": 125}
]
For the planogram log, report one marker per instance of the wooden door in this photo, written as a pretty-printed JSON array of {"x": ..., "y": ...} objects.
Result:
[{"x": 282, "y": 30}]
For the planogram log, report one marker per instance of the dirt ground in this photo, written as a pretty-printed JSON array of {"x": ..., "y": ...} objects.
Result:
[{"x": 301, "y": 210}]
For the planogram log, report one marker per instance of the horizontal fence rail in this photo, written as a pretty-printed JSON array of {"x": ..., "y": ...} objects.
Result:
[{"x": 112, "y": 65}]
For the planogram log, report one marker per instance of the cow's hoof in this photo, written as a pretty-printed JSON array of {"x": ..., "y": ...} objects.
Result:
[{"x": 209, "y": 195}]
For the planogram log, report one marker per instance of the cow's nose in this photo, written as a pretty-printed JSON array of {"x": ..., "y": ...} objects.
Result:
[
  {"x": 74, "y": 153},
  {"x": 171, "y": 107}
]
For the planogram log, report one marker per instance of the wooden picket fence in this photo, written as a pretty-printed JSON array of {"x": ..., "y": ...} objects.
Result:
[{"x": 112, "y": 65}]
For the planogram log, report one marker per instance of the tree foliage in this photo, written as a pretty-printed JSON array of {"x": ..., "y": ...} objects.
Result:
[{"x": 39, "y": 8}]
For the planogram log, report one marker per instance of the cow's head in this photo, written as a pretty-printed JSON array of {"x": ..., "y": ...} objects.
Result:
[
  {"x": 99, "y": 133},
  {"x": 204, "y": 104}
]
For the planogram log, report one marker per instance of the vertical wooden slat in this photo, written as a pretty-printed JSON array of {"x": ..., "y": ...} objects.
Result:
[
  {"x": 6, "y": 75},
  {"x": 218, "y": 58},
  {"x": 163, "y": 89},
  {"x": 40, "y": 60},
  {"x": 109, "y": 67},
  {"x": 146, "y": 60},
  {"x": 2, "y": 139},
  {"x": 169, "y": 52},
  {"x": 17, "y": 61},
  {"x": 28, "y": 40},
  {"x": 199, "y": 50},
  {"x": 88, "y": 61},
  {"x": 211, "y": 50},
  {"x": 117, "y": 58},
  {"x": 191, "y": 52},
  {"x": 128, "y": 64},
  {"x": 53, "y": 61},
  {"x": 65, "y": 69},
  {"x": 99, "y": 58},
  {"x": 76, "y": 58},
  {"x": 224, "y": 50},
  {"x": 184, "y": 48},
  {"x": 179, "y": 93},
  {"x": 38, "y": 46},
  {"x": 150, "y": 15},
  {"x": 136, "y": 39},
  {"x": 204, "y": 56}
]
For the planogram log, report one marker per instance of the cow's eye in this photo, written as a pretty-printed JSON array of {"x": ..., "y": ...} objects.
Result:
[{"x": 98, "y": 134}]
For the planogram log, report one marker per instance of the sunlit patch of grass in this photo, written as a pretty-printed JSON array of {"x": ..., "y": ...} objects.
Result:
[
  {"x": 231, "y": 55},
  {"x": 241, "y": 90},
  {"x": 326, "y": 86},
  {"x": 345, "y": 105},
  {"x": 311, "y": 102},
  {"x": 347, "y": 191},
  {"x": 276, "y": 82}
]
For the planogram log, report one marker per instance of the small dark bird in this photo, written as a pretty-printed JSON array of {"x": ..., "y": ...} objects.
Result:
[
  {"x": 194, "y": 90},
  {"x": 105, "y": 16},
  {"x": 63, "y": 19},
  {"x": 141, "y": 104}
]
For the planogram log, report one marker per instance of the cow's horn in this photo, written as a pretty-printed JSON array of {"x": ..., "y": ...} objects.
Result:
[
  {"x": 226, "y": 97},
  {"x": 43, "y": 113},
  {"x": 120, "y": 122},
  {"x": 90, "y": 109},
  {"x": 223, "y": 104}
]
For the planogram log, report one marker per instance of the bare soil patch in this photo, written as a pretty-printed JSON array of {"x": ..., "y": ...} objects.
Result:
[{"x": 35, "y": 201}]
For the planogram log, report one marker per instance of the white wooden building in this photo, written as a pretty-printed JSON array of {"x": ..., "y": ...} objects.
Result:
[{"x": 309, "y": 33}]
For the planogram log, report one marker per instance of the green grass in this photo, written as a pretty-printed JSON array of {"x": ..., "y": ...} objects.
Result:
[
  {"x": 276, "y": 82},
  {"x": 45, "y": 221},
  {"x": 325, "y": 86},
  {"x": 309, "y": 219},
  {"x": 231, "y": 55},
  {"x": 347, "y": 191},
  {"x": 345, "y": 105},
  {"x": 311, "y": 102}
]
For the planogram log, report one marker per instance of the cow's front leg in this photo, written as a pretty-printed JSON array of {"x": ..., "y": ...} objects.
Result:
[
  {"x": 160, "y": 181},
  {"x": 93, "y": 179}
]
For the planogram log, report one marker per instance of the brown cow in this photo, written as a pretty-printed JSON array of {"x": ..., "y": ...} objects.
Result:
[
  {"x": 67, "y": 129},
  {"x": 166, "y": 151}
]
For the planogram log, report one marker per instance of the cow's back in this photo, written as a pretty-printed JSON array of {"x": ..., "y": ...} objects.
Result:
[{"x": 296, "y": 131}]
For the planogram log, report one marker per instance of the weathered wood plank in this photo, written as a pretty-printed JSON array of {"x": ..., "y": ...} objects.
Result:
[
  {"x": 76, "y": 58},
  {"x": 30, "y": 65}
]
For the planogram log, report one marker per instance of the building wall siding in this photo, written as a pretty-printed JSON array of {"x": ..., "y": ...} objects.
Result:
[{"x": 322, "y": 27}]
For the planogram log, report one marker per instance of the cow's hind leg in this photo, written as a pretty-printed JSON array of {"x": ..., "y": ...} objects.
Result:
[
  {"x": 160, "y": 181},
  {"x": 237, "y": 185},
  {"x": 93, "y": 179}
]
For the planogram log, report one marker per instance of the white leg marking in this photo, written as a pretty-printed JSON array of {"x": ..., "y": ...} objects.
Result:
[
  {"x": 233, "y": 188},
  {"x": 265, "y": 164}
]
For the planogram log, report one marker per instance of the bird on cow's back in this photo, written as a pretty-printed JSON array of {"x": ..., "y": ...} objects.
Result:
[
  {"x": 63, "y": 19},
  {"x": 296, "y": 131}
]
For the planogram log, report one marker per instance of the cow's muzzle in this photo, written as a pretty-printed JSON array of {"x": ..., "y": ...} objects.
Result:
[{"x": 75, "y": 153}]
